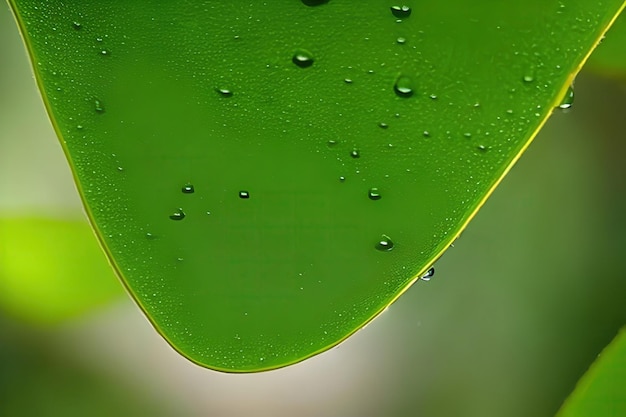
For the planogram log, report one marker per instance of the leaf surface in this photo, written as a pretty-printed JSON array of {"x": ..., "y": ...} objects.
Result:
[{"x": 267, "y": 177}]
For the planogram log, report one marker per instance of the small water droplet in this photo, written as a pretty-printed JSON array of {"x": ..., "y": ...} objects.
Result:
[
  {"x": 374, "y": 194},
  {"x": 105, "y": 52},
  {"x": 244, "y": 194},
  {"x": 150, "y": 236},
  {"x": 467, "y": 135},
  {"x": 401, "y": 40},
  {"x": 347, "y": 81},
  {"x": 428, "y": 275},
  {"x": 77, "y": 25},
  {"x": 342, "y": 178},
  {"x": 482, "y": 148},
  {"x": 568, "y": 100},
  {"x": 188, "y": 189},
  {"x": 355, "y": 153},
  {"x": 383, "y": 125},
  {"x": 528, "y": 78},
  {"x": 401, "y": 12},
  {"x": 303, "y": 59},
  {"x": 332, "y": 143},
  {"x": 80, "y": 127},
  {"x": 224, "y": 92},
  {"x": 384, "y": 244},
  {"x": 312, "y": 3},
  {"x": 99, "y": 107},
  {"x": 426, "y": 134},
  {"x": 178, "y": 215},
  {"x": 403, "y": 86}
]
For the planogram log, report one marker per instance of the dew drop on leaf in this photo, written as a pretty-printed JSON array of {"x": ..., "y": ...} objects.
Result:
[
  {"x": 374, "y": 194},
  {"x": 178, "y": 215},
  {"x": 401, "y": 40},
  {"x": 244, "y": 194},
  {"x": 77, "y": 25},
  {"x": 568, "y": 100},
  {"x": 384, "y": 244},
  {"x": 224, "y": 92},
  {"x": 403, "y": 86},
  {"x": 355, "y": 153},
  {"x": 98, "y": 106},
  {"x": 428, "y": 275},
  {"x": 188, "y": 189},
  {"x": 302, "y": 58},
  {"x": 401, "y": 12}
]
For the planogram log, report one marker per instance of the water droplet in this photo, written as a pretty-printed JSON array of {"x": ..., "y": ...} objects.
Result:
[
  {"x": 467, "y": 135},
  {"x": 312, "y": 3},
  {"x": 374, "y": 194},
  {"x": 528, "y": 78},
  {"x": 401, "y": 40},
  {"x": 224, "y": 92},
  {"x": 77, "y": 25},
  {"x": 347, "y": 81},
  {"x": 384, "y": 244},
  {"x": 426, "y": 134},
  {"x": 244, "y": 194},
  {"x": 401, "y": 12},
  {"x": 150, "y": 236},
  {"x": 105, "y": 52},
  {"x": 188, "y": 189},
  {"x": 568, "y": 100},
  {"x": 428, "y": 275},
  {"x": 355, "y": 153},
  {"x": 383, "y": 125},
  {"x": 302, "y": 58},
  {"x": 342, "y": 178},
  {"x": 331, "y": 143},
  {"x": 403, "y": 86},
  {"x": 482, "y": 148},
  {"x": 98, "y": 106},
  {"x": 178, "y": 215}
]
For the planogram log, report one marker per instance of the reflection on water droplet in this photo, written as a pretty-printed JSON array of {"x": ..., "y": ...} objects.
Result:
[
  {"x": 568, "y": 100},
  {"x": 331, "y": 143},
  {"x": 384, "y": 244},
  {"x": 178, "y": 215},
  {"x": 244, "y": 194},
  {"x": 401, "y": 12},
  {"x": 401, "y": 40},
  {"x": 224, "y": 92},
  {"x": 342, "y": 178},
  {"x": 312, "y": 3},
  {"x": 76, "y": 25},
  {"x": 347, "y": 81},
  {"x": 428, "y": 275},
  {"x": 98, "y": 106},
  {"x": 302, "y": 58},
  {"x": 374, "y": 194},
  {"x": 528, "y": 78},
  {"x": 355, "y": 153},
  {"x": 188, "y": 189},
  {"x": 403, "y": 86},
  {"x": 105, "y": 52},
  {"x": 426, "y": 134},
  {"x": 150, "y": 236},
  {"x": 383, "y": 125}
]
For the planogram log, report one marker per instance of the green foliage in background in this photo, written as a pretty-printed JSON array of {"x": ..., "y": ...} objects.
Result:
[
  {"x": 267, "y": 185},
  {"x": 602, "y": 391}
]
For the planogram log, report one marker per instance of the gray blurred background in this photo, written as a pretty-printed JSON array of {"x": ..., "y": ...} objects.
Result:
[{"x": 517, "y": 311}]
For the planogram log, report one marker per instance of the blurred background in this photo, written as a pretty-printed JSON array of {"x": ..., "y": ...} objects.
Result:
[{"x": 517, "y": 311}]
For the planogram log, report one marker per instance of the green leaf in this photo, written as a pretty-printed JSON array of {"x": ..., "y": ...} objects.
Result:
[
  {"x": 339, "y": 149},
  {"x": 51, "y": 270},
  {"x": 602, "y": 390}
]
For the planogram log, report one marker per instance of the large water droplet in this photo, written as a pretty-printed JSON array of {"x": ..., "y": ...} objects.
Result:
[
  {"x": 401, "y": 12},
  {"x": 384, "y": 244},
  {"x": 403, "y": 86},
  {"x": 528, "y": 78},
  {"x": 302, "y": 58},
  {"x": 188, "y": 189},
  {"x": 429, "y": 274},
  {"x": 244, "y": 194},
  {"x": 178, "y": 215},
  {"x": 401, "y": 40},
  {"x": 374, "y": 194},
  {"x": 568, "y": 100}
]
